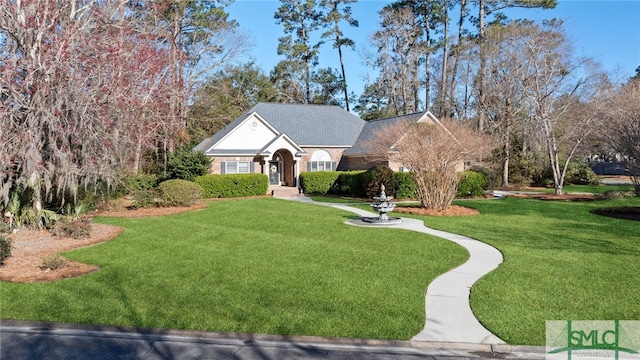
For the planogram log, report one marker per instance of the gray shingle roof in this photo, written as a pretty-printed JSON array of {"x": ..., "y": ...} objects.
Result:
[
  {"x": 307, "y": 125},
  {"x": 312, "y": 124},
  {"x": 371, "y": 128}
]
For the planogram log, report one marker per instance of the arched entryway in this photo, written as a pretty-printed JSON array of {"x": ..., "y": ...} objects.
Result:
[{"x": 282, "y": 168}]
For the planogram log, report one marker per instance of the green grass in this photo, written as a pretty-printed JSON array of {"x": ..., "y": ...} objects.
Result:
[
  {"x": 595, "y": 189},
  {"x": 560, "y": 262},
  {"x": 253, "y": 265}
]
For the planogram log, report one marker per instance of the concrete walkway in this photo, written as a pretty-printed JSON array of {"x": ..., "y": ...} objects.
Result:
[{"x": 448, "y": 314}]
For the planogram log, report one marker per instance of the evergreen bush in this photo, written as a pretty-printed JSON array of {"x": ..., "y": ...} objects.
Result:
[
  {"x": 405, "y": 186},
  {"x": 143, "y": 198},
  {"x": 187, "y": 164},
  {"x": 318, "y": 182},
  {"x": 471, "y": 184},
  {"x": 5, "y": 247},
  {"x": 140, "y": 182},
  {"x": 233, "y": 185},
  {"x": 178, "y": 192},
  {"x": 376, "y": 176},
  {"x": 579, "y": 173},
  {"x": 349, "y": 183}
]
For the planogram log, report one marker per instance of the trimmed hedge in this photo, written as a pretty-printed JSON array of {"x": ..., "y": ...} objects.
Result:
[
  {"x": 318, "y": 182},
  {"x": 471, "y": 184},
  {"x": 349, "y": 183},
  {"x": 405, "y": 186},
  {"x": 233, "y": 185},
  {"x": 379, "y": 175},
  {"x": 354, "y": 183},
  {"x": 178, "y": 192}
]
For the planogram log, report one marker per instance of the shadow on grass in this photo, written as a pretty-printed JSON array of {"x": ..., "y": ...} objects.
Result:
[{"x": 625, "y": 212}]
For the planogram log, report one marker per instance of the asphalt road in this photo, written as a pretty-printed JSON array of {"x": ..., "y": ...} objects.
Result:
[{"x": 26, "y": 340}]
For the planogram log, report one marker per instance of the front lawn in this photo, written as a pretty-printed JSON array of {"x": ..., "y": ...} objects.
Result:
[
  {"x": 254, "y": 265},
  {"x": 560, "y": 262}
]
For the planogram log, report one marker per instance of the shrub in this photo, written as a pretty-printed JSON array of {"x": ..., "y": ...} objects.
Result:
[
  {"x": 143, "y": 198},
  {"x": 376, "y": 176},
  {"x": 140, "y": 182},
  {"x": 471, "y": 183},
  {"x": 405, "y": 186},
  {"x": 579, "y": 173},
  {"x": 53, "y": 262},
  {"x": 187, "y": 164},
  {"x": 489, "y": 174},
  {"x": 75, "y": 228},
  {"x": 233, "y": 185},
  {"x": 5, "y": 247},
  {"x": 318, "y": 182},
  {"x": 615, "y": 194},
  {"x": 349, "y": 183},
  {"x": 178, "y": 192}
]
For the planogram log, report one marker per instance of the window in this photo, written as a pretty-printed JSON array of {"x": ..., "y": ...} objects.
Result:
[
  {"x": 236, "y": 167},
  {"x": 320, "y": 161}
]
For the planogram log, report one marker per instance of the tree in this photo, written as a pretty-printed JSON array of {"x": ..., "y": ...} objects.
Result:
[
  {"x": 397, "y": 54},
  {"x": 554, "y": 82},
  {"x": 226, "y": 95},
  {"x": 328, "y": 85},
  {"x": 288, "y": 79},
  {"x": 505, "y": 106},
  {"x": 332, "y": 19},
  {"x": 434, "y": 153},
  {"x": 373, "y": 104},
  {"x": 67, "y": 78},
  {"x": 299, "y": 19},
  {"x": 486, "y": 7},
  {"x": 200, "y": 39}
]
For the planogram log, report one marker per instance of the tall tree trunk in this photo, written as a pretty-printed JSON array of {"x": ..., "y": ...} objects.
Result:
[
  {"x": 427, "y": 62},
  {"x": 445, "y": 57},
  {"x": 344, "y": 77},
  {"x": 506, "y": 153},
  {"x": 136, "y": 157},
  {"x": 307, "y": 82},
  {"x": 482, "y": 85},
  {"x": 456, "y": 62}
]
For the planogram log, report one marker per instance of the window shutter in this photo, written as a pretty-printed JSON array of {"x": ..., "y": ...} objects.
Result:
[
  {"x": 333, "y": 166},
  {"x": 252, "y": 167},
  {"x": 223, "y": 168},
  {"x": 309, "y": 167}
]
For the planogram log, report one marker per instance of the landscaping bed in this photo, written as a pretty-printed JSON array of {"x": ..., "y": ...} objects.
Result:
[{"x": 32, "y": 247}]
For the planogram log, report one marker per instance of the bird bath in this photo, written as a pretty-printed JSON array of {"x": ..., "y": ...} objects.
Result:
[{"x": 383, "y": 205}]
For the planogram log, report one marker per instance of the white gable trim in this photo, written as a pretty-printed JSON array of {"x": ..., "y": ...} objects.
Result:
[
  {"x": 251, "y": 117},
  {"x": 428, "y": 117},
  {"x": 282, "y": 141}
]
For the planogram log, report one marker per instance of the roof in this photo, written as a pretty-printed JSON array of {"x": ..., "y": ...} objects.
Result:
[
  {"x": 205, "y": 144},
  {"x": 307, "y": 125},
  {"x": 312, "y": 124},
  {"x": 373, "y": 127}
]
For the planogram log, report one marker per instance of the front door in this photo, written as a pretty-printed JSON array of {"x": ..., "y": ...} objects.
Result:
[{"x": 274, "y": 173}]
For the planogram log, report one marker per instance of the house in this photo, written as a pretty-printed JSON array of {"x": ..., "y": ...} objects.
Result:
[{"x": 283, "y": 140}]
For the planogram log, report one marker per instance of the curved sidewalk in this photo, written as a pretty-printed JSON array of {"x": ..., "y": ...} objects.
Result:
[{"x": 448, "y": 314}]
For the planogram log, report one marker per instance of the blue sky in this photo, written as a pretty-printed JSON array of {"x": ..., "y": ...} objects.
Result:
[{"x": 606, "y": 30}]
